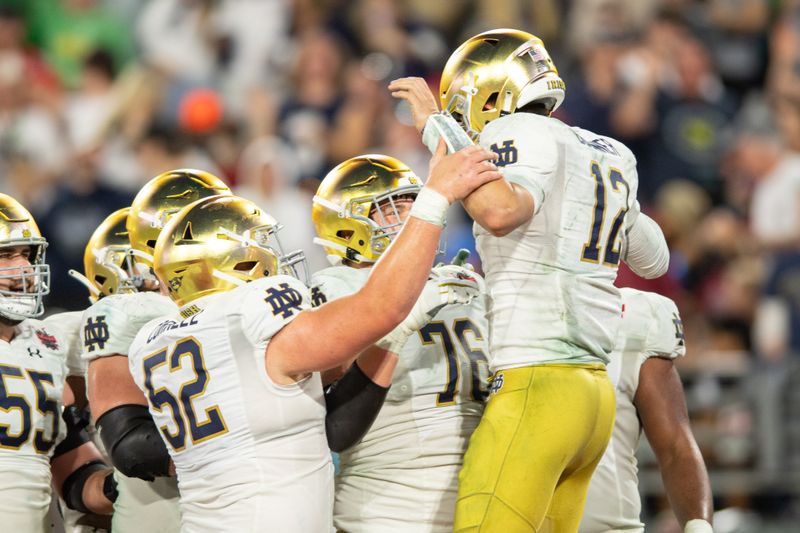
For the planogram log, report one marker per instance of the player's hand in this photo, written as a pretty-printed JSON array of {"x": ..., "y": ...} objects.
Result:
[
  {"x": 458, "y": 275},
  {"x": 416, "y": 92},
  {"x": 448, "y": 285},
  {"x": 456, "y": 175}
]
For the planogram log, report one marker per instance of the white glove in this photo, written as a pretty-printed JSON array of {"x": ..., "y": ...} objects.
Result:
[{"x": 447, "y": 285}]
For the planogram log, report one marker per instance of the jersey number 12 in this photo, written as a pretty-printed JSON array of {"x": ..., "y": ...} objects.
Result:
[{"x": 611, "y": 249}]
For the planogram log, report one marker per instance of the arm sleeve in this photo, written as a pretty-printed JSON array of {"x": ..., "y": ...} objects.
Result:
[
  {"x": 645, "y": 248},
  {"x": 528, "y": 159},
  {"x": 353, "y": 402},
  {"x": 133, "y": 442}
]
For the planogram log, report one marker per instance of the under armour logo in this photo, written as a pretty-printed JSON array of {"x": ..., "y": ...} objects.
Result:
[
  {"x": 95, "y": 333},
  {"x": 284, "y": 300},
  {"x": 506, "y": 154},
  {"x": 317, "y": 297},
  {"x": 497, "y": 384},
  {"x": 34, "y": 352},
  {"x": 676, "y": 320}
]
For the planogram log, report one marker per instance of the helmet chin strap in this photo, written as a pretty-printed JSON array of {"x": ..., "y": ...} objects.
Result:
[
  {"x": 93, "y": 291},
  {"x": 227, "y": 277}
]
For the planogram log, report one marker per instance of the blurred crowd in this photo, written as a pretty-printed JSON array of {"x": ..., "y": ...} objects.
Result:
[{"x": 99, "y": 96}]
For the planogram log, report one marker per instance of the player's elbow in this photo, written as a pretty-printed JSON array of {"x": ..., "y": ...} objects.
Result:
[
  {"x": 500, "y": 220},
  {"x": 133, "y": 442}
]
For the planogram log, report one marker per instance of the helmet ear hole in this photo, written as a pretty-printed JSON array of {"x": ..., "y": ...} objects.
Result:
[
  {"x": 245, "y": 266},
  {"x": 151, "y": 243},
  {"x": 491, "y": 102},
  {"x": 100, "y": 279},
  {"x": 345, "y": 234}
]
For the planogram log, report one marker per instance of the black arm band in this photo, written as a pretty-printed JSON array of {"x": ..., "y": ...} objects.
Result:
[
  {"x": 353, "y": 403},
  {"x": 72, "y": 489},
  {"x": 133, "y": 442},
  {"x": 75, "y": 421}
]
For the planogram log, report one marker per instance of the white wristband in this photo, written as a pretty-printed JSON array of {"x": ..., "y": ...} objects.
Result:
[
  {"x": 430, "y": 206},
  {"x": 697, "y": 525}
]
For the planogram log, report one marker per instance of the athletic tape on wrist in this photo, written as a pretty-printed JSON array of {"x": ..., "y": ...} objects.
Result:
[
  {"x": 430, "y": 206},
  {"x": 443, "y": 126}
]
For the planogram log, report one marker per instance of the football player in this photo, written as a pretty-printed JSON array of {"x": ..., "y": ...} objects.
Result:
[
  {"x": 148, "y": 495},
  {"x": 106, "y": 266},
  {"x": 41, "y": 441},
  {"x": 402, "y": 476},
  {"x": 550, "y": 236},
  {"x": 233, "y": 378},
  {"x": 650, "y": 397}
]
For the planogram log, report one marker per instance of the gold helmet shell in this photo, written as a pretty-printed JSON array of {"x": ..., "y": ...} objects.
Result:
[
  {"x": 349, "y": 194},
  {"x": 107, "y": 259},
  {"x": 216, "y": 244},
  {"x": 31, "y": 283},
  {"x": 157, "y": 201},
  {"x": 496, "y": 72}
]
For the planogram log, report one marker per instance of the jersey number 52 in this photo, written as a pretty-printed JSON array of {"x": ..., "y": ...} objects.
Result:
[{"x": 183, "y": 412}]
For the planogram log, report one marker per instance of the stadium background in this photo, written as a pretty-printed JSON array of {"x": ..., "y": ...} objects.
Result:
[{"x": 97, "y": 97}]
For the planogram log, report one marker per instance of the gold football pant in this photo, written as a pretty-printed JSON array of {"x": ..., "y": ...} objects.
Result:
[{"x": 529, "y": 462}]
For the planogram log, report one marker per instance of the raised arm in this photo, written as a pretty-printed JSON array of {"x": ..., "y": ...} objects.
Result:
[
  {"x": 500, "y": 206},
  {"x": 661, "y": 406},
  {"x": 332, "y": 333}
]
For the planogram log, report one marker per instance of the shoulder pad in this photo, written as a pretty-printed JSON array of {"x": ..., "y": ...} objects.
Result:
[
  {"x": 110, "y": 325},
  {"x": 335, "y": 282},
  {"x": 268, "y": 304}
]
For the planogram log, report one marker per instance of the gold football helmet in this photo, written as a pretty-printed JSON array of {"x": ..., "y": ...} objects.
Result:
[
  {"x": 496, "y": 72},
  {"x": 216, "y": 244},
  {"x": 346, "y": 198},
  {"x": 107, "y": 260},
  {"x": 23, "y": 287},
  {"x": 156, "y": 202}
]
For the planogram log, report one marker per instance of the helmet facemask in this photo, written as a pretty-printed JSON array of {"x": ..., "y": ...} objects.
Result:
[
  {"x": 29, "y": 284},
  {"x": 276, "y": 261}
]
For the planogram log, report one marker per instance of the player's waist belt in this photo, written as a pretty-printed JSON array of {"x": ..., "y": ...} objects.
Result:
[{"x": 520, "y": 378}]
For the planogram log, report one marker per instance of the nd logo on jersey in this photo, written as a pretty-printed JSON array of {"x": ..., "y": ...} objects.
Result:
[
  {"x": 284, "y": 300},
  {"x": 506, "y": 154},
  {"x": 95, "y": 333}
]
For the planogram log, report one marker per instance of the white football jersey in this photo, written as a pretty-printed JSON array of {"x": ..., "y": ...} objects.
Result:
[
  {"x": 110, "y": 324},
  {"x": 651, "y": 327},
  {"x": 69, "y": 324},
  {"x": 251, "y": 455},
  {"x": 551, "y": 281},
  {"x": 108, "y": 328},
  {"x": 403, "y": 475},
  {"x": 32, "y": 375}
]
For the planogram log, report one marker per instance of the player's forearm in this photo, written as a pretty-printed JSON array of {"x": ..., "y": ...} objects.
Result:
[
  {"x": 400, "y": 273},
  {"x": 499, "y": 207},
  {"x": 686, "y": 481}
]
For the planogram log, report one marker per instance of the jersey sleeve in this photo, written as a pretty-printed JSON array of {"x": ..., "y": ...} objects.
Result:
[
  {"x": 69, "y": 326},
  {"x": 335, "y": 282},
  {"x": 110, "y": 325},
  {"x": 271, "y": 303},
  {"x": 665, "y": 337},
  {"x": 527, "y": 153}
]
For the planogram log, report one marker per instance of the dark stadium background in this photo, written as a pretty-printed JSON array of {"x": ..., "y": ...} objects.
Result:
[{"x": 97, "y": 97}]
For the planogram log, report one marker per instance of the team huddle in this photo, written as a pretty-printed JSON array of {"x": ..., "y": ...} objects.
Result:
[{"x": 221, "y": 375}]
